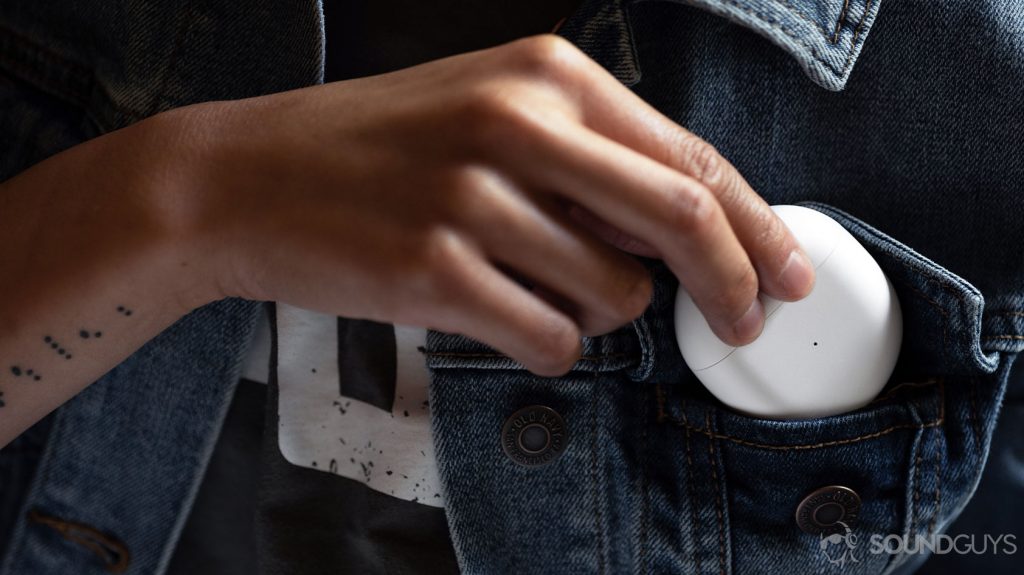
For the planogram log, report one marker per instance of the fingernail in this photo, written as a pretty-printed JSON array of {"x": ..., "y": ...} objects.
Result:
[
  {"x": 749, "y": 326},
  {"x": 797, "y": 274}
]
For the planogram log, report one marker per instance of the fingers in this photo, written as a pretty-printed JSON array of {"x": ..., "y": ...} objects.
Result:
[
  {"x": 597, "y": 285},
  {"x": 598, "y": 144},
  {"x": 782, "y": 266},
  {"x": 612, "y": 234},
  {"x": 481, "y": 302},
  {"x": 613, "y": 110},
  {"x": 662, "y": 207}
]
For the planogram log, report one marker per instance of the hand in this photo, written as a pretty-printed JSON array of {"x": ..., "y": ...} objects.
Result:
[{"x": 411, "y": 197}]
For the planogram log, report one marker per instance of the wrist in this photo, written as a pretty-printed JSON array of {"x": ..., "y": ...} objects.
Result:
[{"x": 177, "y": 189}]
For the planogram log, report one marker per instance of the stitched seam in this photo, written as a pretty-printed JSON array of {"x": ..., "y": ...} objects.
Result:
[
  {"x": 860, "y": 24},
  {"x": 645, "y": 501},
  {"x": 841, "y": 21},
  {"x": 594, "y": 477},
  {"x": 857, "y": 439},
  {"x": 18, "y": 540},
  {"x": 692, "y": 493},
  {"x": 975, "y": 417},
  {"x": 800, "y": 14},
  {"x": 917, "y": 488},
  {"x": 938, "y": 480},
  {"x": 919, "y": 270},
  {"x": 715, "y": 435},
  {"x": 938, "y": 307},
  {"x": 839, "y": 24},
  {"x": 923, "y": 273},
  {"x": 776, "y": 25},
  {"x": 856, "y": 33},
  {"x": 896, "y": 388},
  {"x": 645, "y": 364},
  {"x": 633, "y": 65},
  {"x": 718, "y": 495},
  {"x": 1007, "y": 312}
]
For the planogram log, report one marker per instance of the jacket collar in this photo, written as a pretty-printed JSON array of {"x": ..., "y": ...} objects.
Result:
[{"x": 824, "y": 36}]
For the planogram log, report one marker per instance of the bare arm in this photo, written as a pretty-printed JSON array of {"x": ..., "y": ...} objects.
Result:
[
  {"x": 399, "y": 198},
  {"x": 91, "y": 268}
]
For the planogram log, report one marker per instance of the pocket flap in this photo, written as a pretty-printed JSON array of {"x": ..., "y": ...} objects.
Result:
[{"x": 942, "y": 312}]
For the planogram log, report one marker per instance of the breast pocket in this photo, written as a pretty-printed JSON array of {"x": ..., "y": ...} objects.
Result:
[{"x": 859, "y": 492}]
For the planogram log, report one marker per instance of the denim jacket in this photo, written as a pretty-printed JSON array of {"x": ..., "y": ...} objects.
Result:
[{"x": 902, "y": 120}]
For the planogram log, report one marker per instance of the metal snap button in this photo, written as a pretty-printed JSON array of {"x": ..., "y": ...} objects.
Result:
[
  {"x": 828, "y": 510},
  {"x": 533, "y": 436}
]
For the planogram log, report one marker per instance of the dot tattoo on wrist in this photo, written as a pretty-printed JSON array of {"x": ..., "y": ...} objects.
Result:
[
  {"x": 61, "y": 349},
  {"x": 18, "y": 372},
  {"x": 57, "y": 346}
]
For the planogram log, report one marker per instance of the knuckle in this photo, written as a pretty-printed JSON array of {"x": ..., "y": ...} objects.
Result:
[
  {"x": 732, "y": 189},
  {"x": 481, "y": 202},
  {"x": 497, "y": 114},
  {"x": 770, "y": 229},
  {"x": 486, "y": 104},
  {"x": 441, "y": 247},
  {"x": 639, "y": 298},
  {"x": 692, "y": 210},
  {"x": 707, "y": 162},
  {"x": 707, "y": 166},
  {"x": 546, "y": 55},
  {"x": 466, "y": 186},
  {"x": 465, "y": 179},
  {"x": 633, "y": 293},
  {"x": 557, "y": 344},
  {"x": 435, "y": 271},
  {"x": 733, "y": 300}
]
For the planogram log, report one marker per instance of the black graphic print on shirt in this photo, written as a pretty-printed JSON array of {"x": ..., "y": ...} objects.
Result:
[{"x": 353, "y": 402}]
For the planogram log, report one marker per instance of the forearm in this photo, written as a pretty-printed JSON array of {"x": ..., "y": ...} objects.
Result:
[{"x": 92, "y": 265}]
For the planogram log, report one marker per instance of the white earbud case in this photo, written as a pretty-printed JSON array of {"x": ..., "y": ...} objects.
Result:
[{"x": 828, "y": 353}]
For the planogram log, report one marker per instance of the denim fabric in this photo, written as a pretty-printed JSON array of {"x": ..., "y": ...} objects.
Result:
[
  {"x": 124, "y": 458},
  {"x": 918, "y": 157},
  {"x": 18, "y": 462},
  {"x": 657, "y": 477},
  {"x": 900, "y": 119},
  {"x": 824, "y": 36},
  {"x": 121, "y": 61}
]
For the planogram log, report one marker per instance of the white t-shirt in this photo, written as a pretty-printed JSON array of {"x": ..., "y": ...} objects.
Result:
[{"x": 352, "y": 399}]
